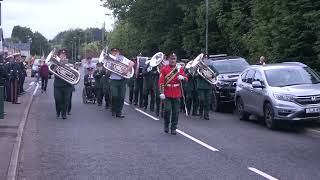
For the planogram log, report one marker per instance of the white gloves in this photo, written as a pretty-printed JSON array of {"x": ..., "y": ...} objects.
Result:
[
  {"x": 162, "y": 96},
  {"x": 180, "y": 77},
  {"x": 149, "y": 69}
]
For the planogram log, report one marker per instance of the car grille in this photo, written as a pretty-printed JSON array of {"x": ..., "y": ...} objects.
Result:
[
  {"x": 311, "y": 115},
  {"x": 306, "y": 100}
]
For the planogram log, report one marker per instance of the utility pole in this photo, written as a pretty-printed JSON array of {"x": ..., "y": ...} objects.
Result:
[
  {"x": 72, "y": 50},
  {"x": 207, "y": 24},
  {"x": 103, "y": 33}
]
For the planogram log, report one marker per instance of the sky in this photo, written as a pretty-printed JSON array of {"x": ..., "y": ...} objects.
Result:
[{"x": 49, "y": 17}]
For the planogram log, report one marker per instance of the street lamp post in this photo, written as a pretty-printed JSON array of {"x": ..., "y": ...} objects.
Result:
[{"x": 207, "y": 24}]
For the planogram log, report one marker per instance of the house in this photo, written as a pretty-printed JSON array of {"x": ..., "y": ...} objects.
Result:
[{"x": 22, "y": 48}]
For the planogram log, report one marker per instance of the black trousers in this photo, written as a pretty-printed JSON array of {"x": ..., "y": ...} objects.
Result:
[
  {"x": 62, "y": 98},
  {"x": 44, "y": 83},
  {"x": 100, "y": 94},
  {"x": 70, "y": 104},
  {"x": 21, "y": 83},
  {"x": 138, "y": 92}
]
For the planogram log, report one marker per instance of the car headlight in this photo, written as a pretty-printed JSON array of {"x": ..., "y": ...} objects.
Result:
[{"x": 284, "y": 97}]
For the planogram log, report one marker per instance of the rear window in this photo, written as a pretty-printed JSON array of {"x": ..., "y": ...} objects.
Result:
[{"x": 230, "y": 65}]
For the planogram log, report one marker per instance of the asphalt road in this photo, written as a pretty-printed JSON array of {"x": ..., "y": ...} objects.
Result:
[{"x": 91, "y": 144}]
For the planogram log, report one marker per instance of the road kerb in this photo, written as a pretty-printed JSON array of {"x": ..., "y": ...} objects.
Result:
[{"x": 12, "y": 170}]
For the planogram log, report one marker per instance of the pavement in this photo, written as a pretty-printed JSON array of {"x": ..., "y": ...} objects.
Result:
[
  {"x": 91, "y": 144},
  {"x": 9, "y": 126}
]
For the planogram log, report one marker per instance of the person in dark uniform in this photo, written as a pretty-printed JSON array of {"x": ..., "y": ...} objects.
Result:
[
  {"x": 62, "y": 90},
  {"x": 170, "y": 87},
  {"x": 204, "y": 90},
  {"x": 149, "y": 77},
  {"x": 138, "y": 86},
  {"x": 98, "y": 74},
  {"x": 118, "y": 85},
  {"x": 89, "y": 83},
  {"x": 22, "y": 73},
  {"x": 131, "y": 84},
  {"x": 4, "y": 77},
  {"x": 13, "y": 79},
  {"x": 192, "y": 100},
  {"x": 7, "y": 83}
]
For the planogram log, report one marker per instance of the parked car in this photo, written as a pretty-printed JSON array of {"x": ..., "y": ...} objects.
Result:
[
  {"x": 278, "y": 93},
  {"x": 229, "y": 69}
]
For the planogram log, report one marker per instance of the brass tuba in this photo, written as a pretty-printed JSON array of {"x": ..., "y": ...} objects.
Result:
[
  {"x": 63, "y": 71},
  {"x": 157, "y": 60},
  {"x": 197, "y": 66},
  {"x": 111, "y": 64}
]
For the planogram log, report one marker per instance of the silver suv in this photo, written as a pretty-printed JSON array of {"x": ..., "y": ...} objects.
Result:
[{"x": 278, "y": 92}]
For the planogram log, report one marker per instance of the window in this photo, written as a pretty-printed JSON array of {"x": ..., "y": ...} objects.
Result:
[
  {"x": 250, "y": 76},
  {"x": 258, "y": 77}
]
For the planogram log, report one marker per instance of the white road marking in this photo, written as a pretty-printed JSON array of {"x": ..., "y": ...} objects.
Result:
[
  {"x": 262, "y": 173},
  {"x": 182, "y": 133},
  {"x": 313, "y": 130},
  {"x": 36, "y": 89},
  {"x": 150, "y": 116},
  {"x": 125, "y": 103},
  {"x": 197, "y": 140},
  {"x": 32, "y": 83}
]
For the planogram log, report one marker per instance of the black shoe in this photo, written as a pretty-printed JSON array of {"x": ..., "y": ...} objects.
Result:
[
  {"x": 157, "y": 114},
  {"x": 64, "y": 117},
  {"x": 130, "y": 102},
  {"x": 120, "y": 116},
  {"x": 135, "y": 104},
  {"x": 166, "y": 129},
  {"x": 58, "y": 116},
  {"x": 17, "y": 103},
  {"x": 173, "y": 132},
  {"x": 206, "y": 117}
]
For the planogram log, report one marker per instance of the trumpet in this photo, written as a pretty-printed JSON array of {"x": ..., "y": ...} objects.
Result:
[
  {"x": 118, "y": 67},
  {"x": 63, "y": 71}
]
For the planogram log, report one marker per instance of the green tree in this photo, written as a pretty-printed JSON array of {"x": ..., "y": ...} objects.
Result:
[
  {"x": 40, "y": 45},
  {"x": 21, "y": 34}
]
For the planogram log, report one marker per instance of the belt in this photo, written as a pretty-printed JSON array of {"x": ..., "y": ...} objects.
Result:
[{"x": 173, "y": 85}]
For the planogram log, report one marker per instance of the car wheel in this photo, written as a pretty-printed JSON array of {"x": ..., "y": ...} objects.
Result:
[
  {"x": 240, "y": 108},
  {"x": 215, "y": 103},
  {"x": 269, "y": 116}
]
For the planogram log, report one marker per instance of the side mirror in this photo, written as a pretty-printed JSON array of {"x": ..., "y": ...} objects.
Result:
[{"x": 257, "y": 84}]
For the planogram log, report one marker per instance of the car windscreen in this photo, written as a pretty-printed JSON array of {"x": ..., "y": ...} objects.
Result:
[
  {"x": 290, "y": 76},
  {"x": 230, "y": 65}
]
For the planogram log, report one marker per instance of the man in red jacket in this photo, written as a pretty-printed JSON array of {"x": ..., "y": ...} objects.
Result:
[
  {"x": 44, "y": 74},
  {"x": 170, "y": 92}
]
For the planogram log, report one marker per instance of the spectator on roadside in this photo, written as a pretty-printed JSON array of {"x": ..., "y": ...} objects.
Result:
[
  {"x": 262, "y": 61},
  {"x": 44, "y": 74}
]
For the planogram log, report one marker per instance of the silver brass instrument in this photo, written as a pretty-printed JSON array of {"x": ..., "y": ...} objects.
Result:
[
  {"x": 63, "y": 71},
  {"x": 197, "y": 66},
  {"x": 111, "y": 64},
  {"x": 157, "y": 60}
]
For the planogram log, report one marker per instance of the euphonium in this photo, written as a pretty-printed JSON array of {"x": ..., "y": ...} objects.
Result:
[
  {"x": 197, "y": 66},
  {"x": 63, "y": 71},
  {"x": 157, "y": 60},
  {"x": 111, "y": 64}
]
